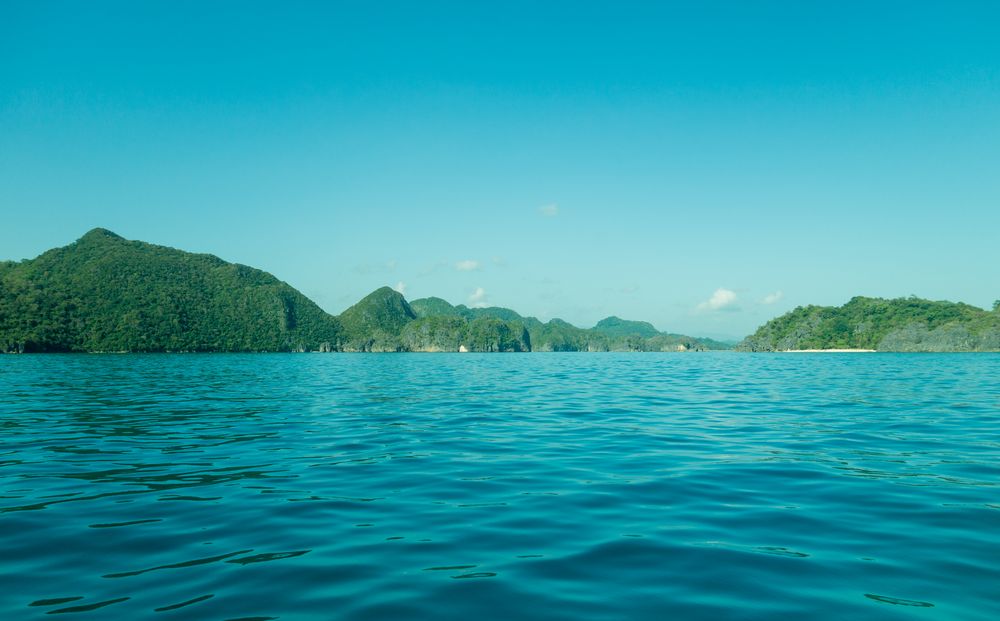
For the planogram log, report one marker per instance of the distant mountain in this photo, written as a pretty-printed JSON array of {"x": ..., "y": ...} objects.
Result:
[
  {"x": 559, "y": 335},
  {"x": 105, "y": 293},
  {"x": 493, "y": 312},
  {"x": 614, "y": 326},
  {"x": 438, "y": 333},
  {"x": 902, "y": 324},
  {"x": 375, "y": 322},
  {"x": 610, "y": 334},
  {"x": 434, "y": 307}
]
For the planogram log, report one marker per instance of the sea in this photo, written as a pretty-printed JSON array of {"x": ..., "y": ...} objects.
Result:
[{"x": 575, "y": 486}]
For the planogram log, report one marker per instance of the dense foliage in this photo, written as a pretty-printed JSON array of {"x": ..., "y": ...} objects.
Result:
[
  {"x": 903, "y": 324},
  {"x": 615, "y": 326},
  {"x": 611, "y": 334},
  {"x": 375, "y": 322},
  {"x": 435, "y": 333},
  {"x": 494, "y": 335},
  {"x": 383, "y": 321},
  {"x": 105, "y": 293},
  {"x": 434, "y": 307}
]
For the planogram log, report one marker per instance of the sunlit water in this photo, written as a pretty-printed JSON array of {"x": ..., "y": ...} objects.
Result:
[{"x": 532, "y": 486}]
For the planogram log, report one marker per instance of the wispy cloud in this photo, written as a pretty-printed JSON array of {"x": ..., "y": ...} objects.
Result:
[
  {"x": 722, "y": 299},
  {"x": 772, "y": 298},
  {"x": 478, "y": 298},
  {"x": 400, "y": 287},
  {"x": 549, "y": 211},
  {"x": 467, "y": 265}
]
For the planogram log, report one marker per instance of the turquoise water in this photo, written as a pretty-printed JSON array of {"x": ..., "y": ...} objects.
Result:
[{"x": 534, "y": 486}]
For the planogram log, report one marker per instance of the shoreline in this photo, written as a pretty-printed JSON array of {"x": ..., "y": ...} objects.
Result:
[{"x": 827, "y": 351}]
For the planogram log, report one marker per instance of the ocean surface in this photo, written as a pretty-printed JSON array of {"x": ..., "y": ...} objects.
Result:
[{"x": 519, "y": 486}]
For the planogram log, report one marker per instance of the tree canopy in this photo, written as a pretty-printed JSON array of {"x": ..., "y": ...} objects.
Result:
[
  {"x": 104, "y": 293},
  {"x": 901, "y": 324}
]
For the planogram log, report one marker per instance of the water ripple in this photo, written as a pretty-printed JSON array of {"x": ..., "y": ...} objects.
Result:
[{"x": 594, "y": 487}]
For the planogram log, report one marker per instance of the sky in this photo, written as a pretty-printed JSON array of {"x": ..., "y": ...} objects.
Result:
[{"x": 704, "y": 166}]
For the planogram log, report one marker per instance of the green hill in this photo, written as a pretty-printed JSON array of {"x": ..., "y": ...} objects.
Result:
[
  {"x": 610, "y": 334},
  {"x": 434, "y": 307},
  {"x": 383, "y": 321},
  {"x": 559, "y": 335},
  {"x": 106, "y": 293},
  {"x": 902, "y": 324},
  {"x": 437, "y": 333},
  {"x": 492, "y": 312},
  {"x": 489, "y": 334},
  {"x": 615, "y": 326},
  {"x": 376, "y": 322}
]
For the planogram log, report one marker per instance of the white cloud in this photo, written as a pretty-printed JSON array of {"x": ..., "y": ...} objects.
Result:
[
  {"x": 722, "y": 299},
  {"x": 549, "y": 211},
  {"x": 467, "y": 265},
  {"x": 400, "y": 287},
  {"x": 478, "y": 299},
  {"x": 771, "y": 298}
]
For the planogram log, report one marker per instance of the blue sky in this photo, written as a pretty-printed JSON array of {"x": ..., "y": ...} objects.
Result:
[{"x": 704, "y": 166}]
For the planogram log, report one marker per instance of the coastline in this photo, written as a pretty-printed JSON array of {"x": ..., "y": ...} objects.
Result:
[{"x": 827, "y": 351}]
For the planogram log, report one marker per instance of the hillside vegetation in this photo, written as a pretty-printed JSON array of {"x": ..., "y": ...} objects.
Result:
[
  {"x": 611, "y": 334},
  {"x": 105, "y": 293},
  {"x": 903, "y": 324},
  {"x": 385, "y": 322}
]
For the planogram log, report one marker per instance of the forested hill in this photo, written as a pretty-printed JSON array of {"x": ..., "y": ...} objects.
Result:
[
  {"x": 903, "y": 324},
  {"x": 106, "y": 293},
  {"x": 610, "y": 334}
]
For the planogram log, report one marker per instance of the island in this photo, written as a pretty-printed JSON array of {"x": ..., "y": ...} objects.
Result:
[
  {"x": 104, "y": 293},
  {"x": 909, "y": 324}
]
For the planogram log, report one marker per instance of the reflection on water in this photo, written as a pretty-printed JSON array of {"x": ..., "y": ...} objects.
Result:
[{"x": 716, "y": 486}]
